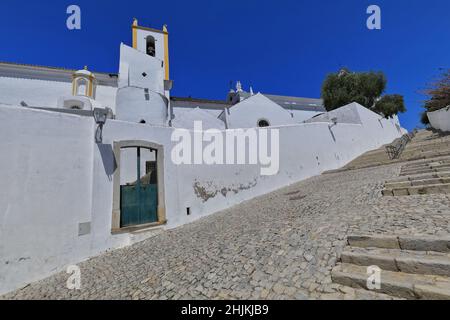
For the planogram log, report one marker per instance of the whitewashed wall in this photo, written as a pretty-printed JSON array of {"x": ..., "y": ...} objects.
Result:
[
  {"x": 55, "y": 177},
  {"x": 247, "y": 113},
  {"x": 346, "y": 114},
  {"x": 187, "y": 118},
  {"x": 440, "y": 119},
  {"x": 42, "y": 93},
  {"x": 303, "y": 115}
]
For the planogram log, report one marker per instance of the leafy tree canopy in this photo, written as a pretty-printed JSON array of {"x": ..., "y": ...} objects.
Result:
[
  {"x": 365, "y": 88},
  {"x": 390, "y": 105}
]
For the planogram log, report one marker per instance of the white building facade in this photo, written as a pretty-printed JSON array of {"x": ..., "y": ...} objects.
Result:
[{"x": 66, "y": 197}]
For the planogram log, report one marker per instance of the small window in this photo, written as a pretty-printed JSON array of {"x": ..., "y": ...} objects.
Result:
[
  {"x": 82, "y": 87},
  {"x": 151, "y": 46},
  {"x": 263, "y": 123}
]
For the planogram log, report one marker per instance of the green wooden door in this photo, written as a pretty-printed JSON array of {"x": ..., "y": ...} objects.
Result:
[{"x": 138, "y": 200}]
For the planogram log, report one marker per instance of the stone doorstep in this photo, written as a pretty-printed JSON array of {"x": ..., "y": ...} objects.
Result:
[
  {"x": 418, "y": 190},
  {"x": 404, "y": 285},
  {"x": 399, "y": 260},
  {"x": 416, "y": 243}
]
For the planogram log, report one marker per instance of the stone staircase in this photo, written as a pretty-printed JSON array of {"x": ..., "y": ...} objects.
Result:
[
  {"x": 412, "y": 267},
  {"x": 425, "y": 145},
  {"x": 426, "y": 177},
  {"x": 426, "y": 168}
]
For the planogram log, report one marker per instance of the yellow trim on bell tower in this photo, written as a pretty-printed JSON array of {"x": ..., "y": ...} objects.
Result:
[
  {"x": 164, "y": 31},
  {"x": 135, "y": 24},
  {"x": 166, "y": 52}
]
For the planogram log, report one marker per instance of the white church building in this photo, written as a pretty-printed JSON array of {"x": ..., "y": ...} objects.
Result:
[{"x": 86, "y": 162}]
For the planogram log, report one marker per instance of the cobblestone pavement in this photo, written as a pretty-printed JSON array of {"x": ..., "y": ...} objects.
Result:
[{"x": 279, "y": 246}]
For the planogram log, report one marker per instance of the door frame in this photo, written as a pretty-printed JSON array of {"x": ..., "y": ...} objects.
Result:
[{"x": 161, "y": 211}]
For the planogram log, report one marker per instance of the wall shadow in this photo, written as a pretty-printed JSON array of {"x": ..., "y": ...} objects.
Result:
[{"x": 108, "y": 159}]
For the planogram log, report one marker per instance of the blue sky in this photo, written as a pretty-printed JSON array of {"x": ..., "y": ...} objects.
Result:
[{"x": 280, "y": 47}]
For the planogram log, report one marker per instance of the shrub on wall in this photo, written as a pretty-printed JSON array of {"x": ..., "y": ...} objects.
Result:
[{"x": 438, "y": 93}]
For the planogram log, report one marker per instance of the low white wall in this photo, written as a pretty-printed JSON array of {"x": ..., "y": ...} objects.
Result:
[
  {"x": 55, "y": 177},
  {"x": 440, "y": 119},
  {"x": 43, "y": 93},
  {"x": 345, "y": 114}
]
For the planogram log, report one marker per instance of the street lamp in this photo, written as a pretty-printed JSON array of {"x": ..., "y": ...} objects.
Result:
[{"x": 100, "y": 116}]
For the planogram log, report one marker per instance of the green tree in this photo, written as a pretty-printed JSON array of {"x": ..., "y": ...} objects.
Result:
[
  {"x": 365, "y": 88},
  {"x": 390, "y": 105}
]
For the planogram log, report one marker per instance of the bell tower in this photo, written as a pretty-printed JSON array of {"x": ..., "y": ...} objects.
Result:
[
  {"x": 152, "y": 42},
  {"x": 143, "y": 94}
]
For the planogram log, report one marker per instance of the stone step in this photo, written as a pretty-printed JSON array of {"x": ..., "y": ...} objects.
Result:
[
  {"x": 425, "y": 160},
  {"x": 363, "y": 163},
  {"x": 417, "y": 262},
  {"x": 415, "y": 182},
  {"x": 430, "y": 139},
  {"x": 421, "y": 176},
  {"x": 425, "y": 143},
  {"x": 427, "y": 147},
  {"x": 399, "y": 284},
  {"x": 426, "y": 154},
  {"x": 416, "y": 243},
  {"x": 431, "y": 162},
  {"x": 425, "y": 170},
  {"x": 440, "y": 188},
  {"x": 422, "y": 171},
  {"x": 348, "y": 293},
  {"x": 429, "y": 165},
  {"x": 416, "y": 172},
  {"x": 423, "y": 148}
]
